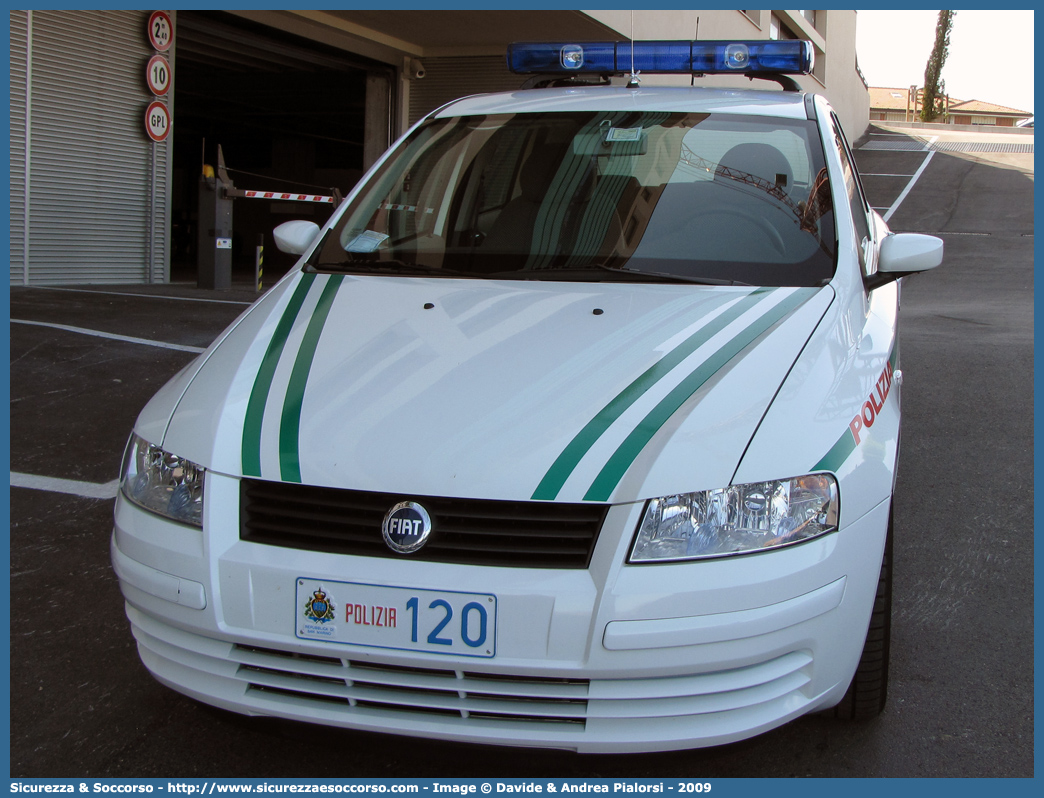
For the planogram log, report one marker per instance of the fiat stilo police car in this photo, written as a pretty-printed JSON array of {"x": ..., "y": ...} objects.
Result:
[{"x": 576, "y": 426}]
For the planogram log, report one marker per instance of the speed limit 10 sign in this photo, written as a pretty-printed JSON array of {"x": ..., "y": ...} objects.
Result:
[
  {"x": 161, "y": 31},
  {"x": 157, "y": 121},
  {"x": 157, "y": 73}
]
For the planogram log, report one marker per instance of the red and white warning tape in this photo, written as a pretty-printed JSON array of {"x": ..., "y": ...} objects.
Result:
[{"x": 292, "y": 197}]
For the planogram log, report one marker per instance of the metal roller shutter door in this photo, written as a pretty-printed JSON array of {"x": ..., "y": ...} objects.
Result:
[
  {"x": 99, "y": 188},
  {"x": 448, "y": 78},
  {"x": 18, "y": 60}
]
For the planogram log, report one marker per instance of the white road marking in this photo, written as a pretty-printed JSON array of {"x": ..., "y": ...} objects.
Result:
[
  {"x": 913, "y": 180},
  {"x": 72, "y": 487},
  {"x": 146, "y": 296},
  {"x": 113, "y": 336}
]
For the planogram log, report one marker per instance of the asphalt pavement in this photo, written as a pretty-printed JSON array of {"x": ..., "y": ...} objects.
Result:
[{"x": 961, "y": 698}]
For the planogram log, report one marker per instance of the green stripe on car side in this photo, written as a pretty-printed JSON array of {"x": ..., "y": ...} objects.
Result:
[
  {"x": 255, "y": 412},
  {"x": 290, "y": 424},
  {"x": 838, "y": 453},
  {"x": 613, "y": 471},
  {"x": 846, "y": 444},
  {"x": 567, "y": 461}
]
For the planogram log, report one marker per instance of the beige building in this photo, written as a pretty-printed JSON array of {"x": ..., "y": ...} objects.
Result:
[
  {"x": 898, "y": 105},
  {"x": 300, "y": 101}
]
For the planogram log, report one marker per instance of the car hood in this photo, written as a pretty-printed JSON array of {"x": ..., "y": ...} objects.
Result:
[{"x": 494, "y": 389}]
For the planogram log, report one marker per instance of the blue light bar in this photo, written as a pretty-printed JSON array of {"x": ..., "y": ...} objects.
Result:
[{"x": 781, "y": 57}]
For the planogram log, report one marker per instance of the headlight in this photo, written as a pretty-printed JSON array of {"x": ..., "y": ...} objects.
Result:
[
  {"x": 737, "y": 520},
  {"x": 162, "y": 482}
]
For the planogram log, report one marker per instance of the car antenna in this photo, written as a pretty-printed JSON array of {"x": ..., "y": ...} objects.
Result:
[
  {"x": 695, "y": 37},
  {"x": 634, "y": 80}
]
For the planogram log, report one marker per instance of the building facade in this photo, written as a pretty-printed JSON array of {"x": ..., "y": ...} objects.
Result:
[
  {"x": 299, "y": 101},
  {"x": 903, "y": 105}
]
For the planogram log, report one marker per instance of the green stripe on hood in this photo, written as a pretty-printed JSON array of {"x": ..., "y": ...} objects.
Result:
[
  {"x": 567, "y": 461},
  {"x": 290, "y": 424},
  {"x": 613, "y": 471},
  {"x": 255, "y": 412}
]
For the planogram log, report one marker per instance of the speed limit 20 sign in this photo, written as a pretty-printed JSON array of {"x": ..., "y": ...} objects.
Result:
[{"x": 157, "y": 121}]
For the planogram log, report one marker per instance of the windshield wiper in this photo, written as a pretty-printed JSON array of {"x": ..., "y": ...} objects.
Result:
[
  {"x": 668, "y": 276},
  {"x": 350, "y": 266},
  {"x": 596, "y": 268},
  {"x": 397, "y": 267}
]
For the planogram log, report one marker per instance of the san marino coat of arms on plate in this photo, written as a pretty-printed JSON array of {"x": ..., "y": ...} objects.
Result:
[{"x": 319, "y": 608}]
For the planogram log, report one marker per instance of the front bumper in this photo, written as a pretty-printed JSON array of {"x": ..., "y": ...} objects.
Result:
[{"x": 609, "y": 659}]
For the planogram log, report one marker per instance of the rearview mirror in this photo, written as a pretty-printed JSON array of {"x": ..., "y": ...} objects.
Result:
[
  {"x": 295, "y": 237},
  {"x": 903, "y": 254}
]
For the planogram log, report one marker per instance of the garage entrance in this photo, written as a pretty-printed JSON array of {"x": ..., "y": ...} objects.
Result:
[{"x": 289, "y": 114}]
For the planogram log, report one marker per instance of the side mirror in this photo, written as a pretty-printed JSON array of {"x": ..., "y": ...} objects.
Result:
[
  {"x": 903, "y": 254},
  {"x": 295, "y": 237}
]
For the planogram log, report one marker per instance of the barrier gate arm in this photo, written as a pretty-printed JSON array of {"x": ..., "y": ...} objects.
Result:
[{"x": 230, "y": 191}]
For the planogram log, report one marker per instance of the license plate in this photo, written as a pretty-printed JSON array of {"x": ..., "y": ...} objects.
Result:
[{"x": 403, "y": 618}]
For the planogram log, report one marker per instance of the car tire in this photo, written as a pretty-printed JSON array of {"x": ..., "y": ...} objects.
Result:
[{"x": 865, "y": 697}]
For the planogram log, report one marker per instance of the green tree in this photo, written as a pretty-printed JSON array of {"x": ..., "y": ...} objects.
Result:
[{"x": 934, "y": 87}]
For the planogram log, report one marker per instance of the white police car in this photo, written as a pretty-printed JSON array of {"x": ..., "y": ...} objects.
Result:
[{"x": 576, "y": 426}]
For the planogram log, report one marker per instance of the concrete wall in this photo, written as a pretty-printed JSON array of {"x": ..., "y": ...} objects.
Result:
[{"x": 844, "y": 87}]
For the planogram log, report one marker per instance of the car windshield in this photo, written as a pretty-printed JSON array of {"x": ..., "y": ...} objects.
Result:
[{"x": 634, "y": 196}]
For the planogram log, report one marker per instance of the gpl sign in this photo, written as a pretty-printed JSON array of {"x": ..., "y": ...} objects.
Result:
[{"x": 157, "y": 121}]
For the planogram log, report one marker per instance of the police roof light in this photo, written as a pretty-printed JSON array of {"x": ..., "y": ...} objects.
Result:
[{"x": 782, "y": 57}]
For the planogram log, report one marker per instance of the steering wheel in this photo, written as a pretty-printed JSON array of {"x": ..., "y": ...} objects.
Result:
[{"x": 770, "y": 232}]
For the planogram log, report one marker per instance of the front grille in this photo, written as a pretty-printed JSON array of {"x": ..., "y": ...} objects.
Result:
[{"x": 515, "y": 534}]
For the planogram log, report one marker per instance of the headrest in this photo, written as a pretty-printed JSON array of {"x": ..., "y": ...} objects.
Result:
[{"x": 760, "y": 160}]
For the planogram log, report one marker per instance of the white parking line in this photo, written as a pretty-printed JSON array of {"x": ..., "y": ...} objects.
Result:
[
  {"x": 87, "y": 490},
  {"x": 113, "y": 336},
  {"x": 913, "y": 180},
  {"x": 146, "y": 296}
]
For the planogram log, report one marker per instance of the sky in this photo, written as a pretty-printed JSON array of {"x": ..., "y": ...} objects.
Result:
[{"x": 990, "y": 56}]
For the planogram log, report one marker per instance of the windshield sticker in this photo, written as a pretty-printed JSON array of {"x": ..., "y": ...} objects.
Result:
[
  {"x": 624, "y": 134},
  {"x": 368, "y": 241}
]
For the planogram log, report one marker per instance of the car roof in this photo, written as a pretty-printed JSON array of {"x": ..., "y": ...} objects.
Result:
[{"x": 611, "y": 98}]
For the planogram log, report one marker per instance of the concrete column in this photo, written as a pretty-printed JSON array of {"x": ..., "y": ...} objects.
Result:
[{"x": 377, "y": 122}]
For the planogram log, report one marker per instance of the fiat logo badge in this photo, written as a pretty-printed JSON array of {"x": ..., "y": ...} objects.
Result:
[{"x": 406, "y": 527}]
